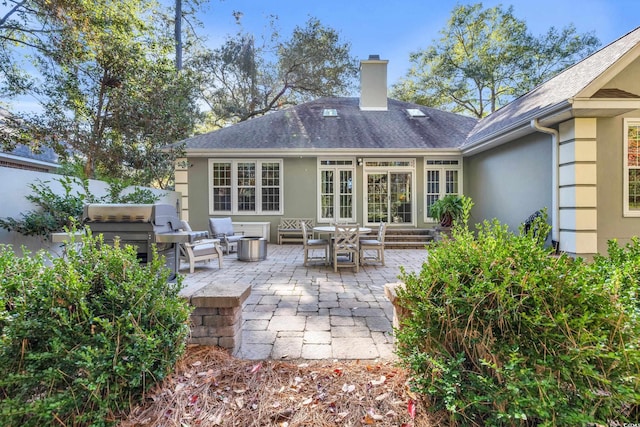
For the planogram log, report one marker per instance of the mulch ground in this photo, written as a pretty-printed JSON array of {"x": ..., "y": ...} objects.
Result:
[{"x": 211, "y": 388}]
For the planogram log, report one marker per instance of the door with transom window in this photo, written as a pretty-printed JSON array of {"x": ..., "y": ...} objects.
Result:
[
  {"x": 336, "y": 191},
  {"x": 389, "y": 195}
]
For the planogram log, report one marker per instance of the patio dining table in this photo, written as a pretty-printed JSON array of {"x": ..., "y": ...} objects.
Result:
[{"x": 331, "y": 229}]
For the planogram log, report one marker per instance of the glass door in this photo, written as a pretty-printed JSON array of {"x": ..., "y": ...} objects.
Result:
[
  {"x": 389, "y": 197},
  {"x": 336, "y": 195}
]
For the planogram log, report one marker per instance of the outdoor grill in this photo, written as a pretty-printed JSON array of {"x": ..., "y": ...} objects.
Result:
[{"x": 139, "y": 225}]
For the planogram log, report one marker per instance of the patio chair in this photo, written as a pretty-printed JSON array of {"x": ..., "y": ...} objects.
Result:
[
  {"x": 377, "y": 244},
  {"x": 203, "y": 249},
  {"x": 222, "y": 228},
  {"x": 313, "y": 245},
  {"x": 346, "y": 250}
]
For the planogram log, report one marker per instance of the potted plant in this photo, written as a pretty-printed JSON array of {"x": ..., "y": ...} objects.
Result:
[{"x": 448, "y": 209}]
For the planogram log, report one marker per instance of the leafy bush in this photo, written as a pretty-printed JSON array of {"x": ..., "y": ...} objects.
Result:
[
  {"x": 55, "y": 212},
  {"x": 85, "y": 335},
  {"x": 502, "y": 333}
]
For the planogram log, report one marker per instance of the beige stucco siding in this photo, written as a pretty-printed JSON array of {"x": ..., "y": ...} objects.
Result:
[
  {"x": 300, "y": 178},
  {"x": 611, "y": 222},
  {"x": 510, "y": 182},
  {"x": 627, "y": 79}
]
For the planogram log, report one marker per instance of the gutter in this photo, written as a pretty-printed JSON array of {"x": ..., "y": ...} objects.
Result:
[
  {"x": 555, "y": 172},
  {"x": 506, "y": 134}
]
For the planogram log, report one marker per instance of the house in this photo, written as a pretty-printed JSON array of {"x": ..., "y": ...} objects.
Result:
[
  {"x": 570, "y": 145},
  {"x": 22, "y": 157}
]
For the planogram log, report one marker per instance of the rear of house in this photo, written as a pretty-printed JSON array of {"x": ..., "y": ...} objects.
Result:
[{"x": 570, "y": 145}]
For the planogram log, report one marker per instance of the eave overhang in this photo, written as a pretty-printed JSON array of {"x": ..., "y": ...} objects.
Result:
[{"x": 298, "y": 153}]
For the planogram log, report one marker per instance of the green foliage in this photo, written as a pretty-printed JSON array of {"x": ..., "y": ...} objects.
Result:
[
  {"x": 239, "y": 81},
  {"x": 84, "y": 336},
  {"x": 56, "y": 211},
  {"x": 449, "y": 209},
  {"x": 502, "y": 333},
  {"x": 110, "y": 96},
  {"x": 486, "y": 58}
]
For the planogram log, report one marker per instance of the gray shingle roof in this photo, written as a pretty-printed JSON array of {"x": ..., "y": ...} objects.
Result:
[
  {"x": 558, "y": 89},
  {"x": 303, "y": 127}
]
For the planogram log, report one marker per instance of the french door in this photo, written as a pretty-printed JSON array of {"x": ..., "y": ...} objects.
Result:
[
  {"x": 389, "y": 197},
  {"x": 336, "y": 191}
]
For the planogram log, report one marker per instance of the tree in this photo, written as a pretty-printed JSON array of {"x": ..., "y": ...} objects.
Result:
[
  {"x": 110, "y": 93},
  {"x": 241, "y": 80},
  {"x": 486, "y": 58}
]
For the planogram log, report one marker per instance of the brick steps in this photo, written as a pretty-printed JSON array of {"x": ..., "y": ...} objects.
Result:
[{"x": 408, "y": 238}]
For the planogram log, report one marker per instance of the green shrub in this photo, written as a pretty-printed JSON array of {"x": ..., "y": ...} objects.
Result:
[
  {"x": 84, "y": 336},
  {"x": 502, "y": 333}
]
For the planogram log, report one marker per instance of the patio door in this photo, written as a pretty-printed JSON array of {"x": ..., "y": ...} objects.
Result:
[
  {"x": 389, "y": 197},
  {"x": 336, "y": 191}
]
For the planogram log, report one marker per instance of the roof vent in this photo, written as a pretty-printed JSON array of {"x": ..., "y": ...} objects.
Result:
[
  {"x": 330, "y": 112},
  {"x": 415, "y": 112},
  {"x": 374, "y": 57}
]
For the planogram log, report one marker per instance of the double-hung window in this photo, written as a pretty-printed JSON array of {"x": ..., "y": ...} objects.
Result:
[
  {"x": 442, "y": 177},
  {"x": 631, "y": 178},
  {"x": 245, "y": 187}
]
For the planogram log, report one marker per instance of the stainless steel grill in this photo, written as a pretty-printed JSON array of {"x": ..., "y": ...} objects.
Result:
[{"x": 139, "y": 225}]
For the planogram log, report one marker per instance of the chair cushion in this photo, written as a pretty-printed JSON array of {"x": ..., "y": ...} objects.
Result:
[
  {"x": 207, "y": 249},
  {"x": 234, "y": 237},
  {"x": 221, "y": 226},
  {"x": 368, "y": 242},
  {"x": 317, "y": 242}
]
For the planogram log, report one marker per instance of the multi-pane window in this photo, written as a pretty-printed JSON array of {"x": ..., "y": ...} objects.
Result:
[
  {"x": 442, "y": 177},
  {"x": 245, "y": 186},
  {"x": 632, "y": 167}
]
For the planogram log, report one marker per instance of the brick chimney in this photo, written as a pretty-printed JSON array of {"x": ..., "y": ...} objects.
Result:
[{"x": 373, "y": 84}]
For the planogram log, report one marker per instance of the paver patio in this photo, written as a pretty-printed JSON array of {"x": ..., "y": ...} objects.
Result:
[{"x": 298, "y": 312}]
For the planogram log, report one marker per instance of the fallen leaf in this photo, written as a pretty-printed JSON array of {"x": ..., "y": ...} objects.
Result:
[
  {"x": 256, "y": 368},
  {"x": 390, "y": 414},
  {"x": 307, "y": 401},
  {"x": 342, "y": 414},
  {"x": 196, "y": 363},
  {"x": 239, "y": 402},
  {"x": 193, "y": 399},
  {"x": 368, "y": 420},
  {"x": 411, "y": 407},
  {"x": 239, "y": 391},
  {"x": 348, "y": 388},
  {"x": 382, "y": 396},
  {"x": 337, "y": 372},
  {"x": 380, "y": 381}
]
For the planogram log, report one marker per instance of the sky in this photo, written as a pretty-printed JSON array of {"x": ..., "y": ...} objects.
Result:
[{"x": 395, "y": 29}]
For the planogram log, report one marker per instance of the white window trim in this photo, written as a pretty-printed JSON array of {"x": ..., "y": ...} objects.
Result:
[
  {"x": 234, "y": 186},
  {"x": 627, "y": 212},
  {"x": 442, "y": 169},
  {"x": 319, "y": 168}
]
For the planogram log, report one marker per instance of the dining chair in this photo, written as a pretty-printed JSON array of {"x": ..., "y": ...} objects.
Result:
[
  {"x": 313, "y": 245},
  {"x": 204, "y": 249},
  {"x": 346, "y": 248},
  {"x": 377, "y": 244}
]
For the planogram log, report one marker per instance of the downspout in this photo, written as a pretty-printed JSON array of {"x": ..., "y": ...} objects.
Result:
[{"x": 555, "y": 172}]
